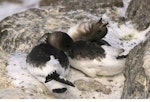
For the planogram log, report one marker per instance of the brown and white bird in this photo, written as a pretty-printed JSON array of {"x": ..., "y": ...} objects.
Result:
[
  {"x": 88, "y": 31},
  {"x": 96, "y": 59},
  {"x": 91, "y": 54},
  {"x": 49, "y": 64}
]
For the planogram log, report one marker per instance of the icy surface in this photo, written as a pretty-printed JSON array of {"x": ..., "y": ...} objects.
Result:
[{"x": 7, "y": 9}]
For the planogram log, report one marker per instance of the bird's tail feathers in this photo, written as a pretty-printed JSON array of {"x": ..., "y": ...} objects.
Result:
[{"x": 55, "y": 76}]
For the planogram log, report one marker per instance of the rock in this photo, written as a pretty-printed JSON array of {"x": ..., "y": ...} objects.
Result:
[
  {"x": 47, "y": 2},
  {"x": 21, "y": 31},
  {"x": 137, "y": 72},
  {"x": 86, "y": 5},
  {"x": 138, "y": 12},
  {"x": 94, "y": 7},
  {"x": 91, "y": 86}
]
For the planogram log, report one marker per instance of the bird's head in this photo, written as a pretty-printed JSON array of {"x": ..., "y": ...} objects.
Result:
[{"x": 60, "y": 40}]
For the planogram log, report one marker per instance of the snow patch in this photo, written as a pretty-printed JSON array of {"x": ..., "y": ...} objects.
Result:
[
  {"x": 7, "y": 8},
  {"x": 124, "y": 36},
  {"x": 20, "y": 76}
]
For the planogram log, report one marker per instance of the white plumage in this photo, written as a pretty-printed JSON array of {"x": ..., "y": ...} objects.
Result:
[{"x": 51, "y": 66}]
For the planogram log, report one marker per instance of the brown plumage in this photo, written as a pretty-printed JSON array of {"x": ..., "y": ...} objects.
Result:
[{"x": 88, "y": 31}]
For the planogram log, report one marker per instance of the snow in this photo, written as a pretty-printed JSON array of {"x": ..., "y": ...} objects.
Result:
[
  {"x": 7, "y": 8},
  {"x": 123, "y": 36}
]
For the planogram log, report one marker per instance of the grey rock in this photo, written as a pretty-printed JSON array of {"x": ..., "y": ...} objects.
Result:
[
  {"x": 94, "y": 7},
  {"x": 139, "y": 12},
  {"x": 47, "y": 2},
  {"x": 86, "y": 5},
  {"x": 91, "y": 86},
  {"x": 21, "y": 31},
  {"x": 137, "y": 72}
]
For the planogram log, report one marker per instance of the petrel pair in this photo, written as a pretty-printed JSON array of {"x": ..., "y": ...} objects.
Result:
[
  {"x": 88, "y": 53},
  {"x": 91, "y": 54}
]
